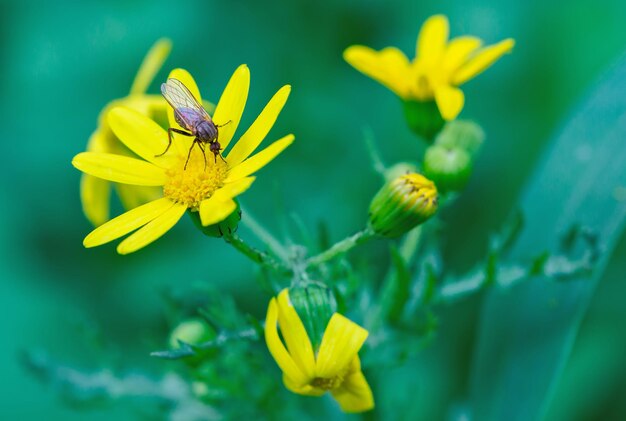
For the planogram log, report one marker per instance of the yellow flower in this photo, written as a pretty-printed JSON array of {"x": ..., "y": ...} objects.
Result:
[
  {"x": 438, "y": 69},
  {"x": 207, "y": 186},
  {"x": 334, "y": 367},
  {"x": 95, "y": 192}
]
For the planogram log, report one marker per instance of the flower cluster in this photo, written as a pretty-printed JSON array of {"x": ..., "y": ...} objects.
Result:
[{"x": 140, "y": 146}]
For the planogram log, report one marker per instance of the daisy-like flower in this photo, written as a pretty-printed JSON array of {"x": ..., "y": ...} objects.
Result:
[
  {"x": 333, "y": 366},
  {"x": 208, "y": 185},
  {"x": 95, "y": 192},
  {"x": 438, "y": 69}
]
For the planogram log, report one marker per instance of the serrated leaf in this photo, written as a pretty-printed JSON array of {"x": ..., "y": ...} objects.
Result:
[{"x": 224, "y": 338}]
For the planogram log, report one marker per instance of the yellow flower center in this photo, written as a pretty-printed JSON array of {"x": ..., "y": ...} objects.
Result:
[{"x": 197, "y": 182}]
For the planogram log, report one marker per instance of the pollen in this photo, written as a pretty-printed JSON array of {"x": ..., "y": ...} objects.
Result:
[{"x": 197, "y": 182}]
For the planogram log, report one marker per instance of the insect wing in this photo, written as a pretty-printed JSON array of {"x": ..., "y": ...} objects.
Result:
[{"x": 183, "y": 101}]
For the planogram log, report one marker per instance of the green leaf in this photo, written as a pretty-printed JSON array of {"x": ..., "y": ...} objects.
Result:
[
  {"x": 526, "y": 333},
  {"x": 188, "y": 350}
]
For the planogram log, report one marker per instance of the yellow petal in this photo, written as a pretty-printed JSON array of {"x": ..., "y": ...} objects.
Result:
[
  {"x": 295, "y": 335},
  {"x": 450, "y": 101},
  {"x": 389, "y": 67},
  {"x": 153, "y": 230},
  {"x": 457, "y": 52},
  {"x": 278, "y": 350},
  {"x": 141, "y": 135},
  {"x": 253, "y": 137},
  {"x": 302, "y": 389},
  {"x": 182, "y": 143},
  {"x": 214, "y": 210},
  {"x": 230, "y": 190},
  {"x": 259, "y": 160},
  {"x": 95, "y": 193},
  {"x": 354, "y": 394},
  {"x": 231, "y": 104},
  {"x": 482, "y": 60},
  {"x": 120, "y": 169},
  {"x": 98, "y": 141},
  {"x": 340, "y": 345},
  {"x": 432, "y": 39},
  {"x": 127, "y": 222},
  {"x": 151, "y": 65},
  {"x": 133, "y": 196},
  {"x": 94, "y": 196}
]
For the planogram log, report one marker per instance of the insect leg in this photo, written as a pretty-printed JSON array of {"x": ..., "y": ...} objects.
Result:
[
  {"x": 203, "y": 154},
  {"x": 222, "y": 125},
  {"x": 189, "y": 153},
  {"x": 169, "y": 138}
]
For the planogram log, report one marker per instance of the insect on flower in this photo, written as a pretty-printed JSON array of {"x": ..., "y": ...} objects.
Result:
[{"x": 192, "y": 116}]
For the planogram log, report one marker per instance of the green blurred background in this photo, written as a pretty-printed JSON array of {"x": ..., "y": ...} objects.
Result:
[{"x": 63, "y": 61}]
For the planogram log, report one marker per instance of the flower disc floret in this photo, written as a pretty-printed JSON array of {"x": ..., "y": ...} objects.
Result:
[{"x": 197, "y": 182}]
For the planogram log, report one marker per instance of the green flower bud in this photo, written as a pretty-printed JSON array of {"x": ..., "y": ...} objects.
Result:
[
  {"x": 399, "y": 169},
  {"x": 463, "y": 134},
  {"x": 423, "y": 118},
  {"x": 315, "y": 304},
  {"x": 450, "y": 169},
  {"x": 191, "y": 331},
  {"x": 402, "y": 204},
  {"x": 227, "y": 226}
]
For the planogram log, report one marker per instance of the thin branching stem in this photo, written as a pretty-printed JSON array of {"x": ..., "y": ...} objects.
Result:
[
  {"x": 257, "y": 256},
  {"x": 342, "y": 247},
  {"x": 265, "y": 236},
  {"x": 374, "y": 153}
]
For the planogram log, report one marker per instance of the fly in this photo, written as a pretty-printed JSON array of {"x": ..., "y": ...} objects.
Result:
[{"x": 191, "y": 116}]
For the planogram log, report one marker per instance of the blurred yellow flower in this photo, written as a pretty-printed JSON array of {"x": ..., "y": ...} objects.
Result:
[
  {"x": 438, "y": 69},
  {"x": 95, "y": 192},
  {"x": 334, "y": 367},
  {"x": 207, "y": 186}
]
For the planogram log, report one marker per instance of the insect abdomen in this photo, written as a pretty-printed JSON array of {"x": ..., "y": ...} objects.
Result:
[{"x": 206, "y": 131}]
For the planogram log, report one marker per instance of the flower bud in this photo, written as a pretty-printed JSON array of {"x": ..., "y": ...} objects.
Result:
[
  {"x": 449, "y": 168},
  {"x": 399, "y": 169},
  {"x": 462, "y": 134},
  {"x": 402, "y": 203},
  {"x": 315, "y": 304},
  {"x": 227, "y": 226},
  {"x": 191, "y": 331},
  {"x": 423, "y": 118}
]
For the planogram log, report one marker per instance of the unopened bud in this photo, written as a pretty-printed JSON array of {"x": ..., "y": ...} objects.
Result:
[
  {"x": 191, "y": 331},
  {"x": 402, "y": 204},
  {"x": 463, "y": 134},
  {"x": 449, "y": 168},
  {"x": 399, "y": 169},
  {"x": 315, "y": 304}
]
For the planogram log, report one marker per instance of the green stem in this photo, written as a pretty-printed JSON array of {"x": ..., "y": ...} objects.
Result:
[
  {"x": 410, "y": 244},
  {"x": 341, "y": 248},
  {"x": 377, "y": 161},
  {"x": 256, "y": 255},
  {"x": 393, "y": 293},
  {"x": 262, "y": 234}
]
